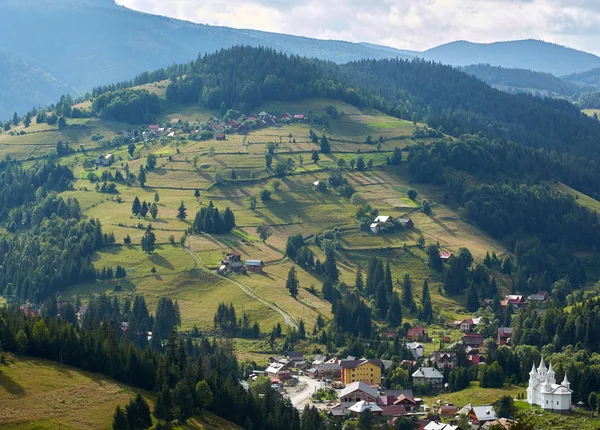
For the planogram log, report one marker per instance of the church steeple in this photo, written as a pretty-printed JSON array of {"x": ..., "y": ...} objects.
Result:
[
  {"x": 533, "y": 373},
  {"x": 542, "y": 370},
  {"x": 565, "y": 382},
  {"x": 551, "y": 375}
]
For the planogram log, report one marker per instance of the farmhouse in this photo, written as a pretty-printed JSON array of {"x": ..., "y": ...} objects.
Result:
[
  {"x": 299, "y": 117},
  {"x": 407, "y": 223},
  {"x": 220, "y": 136},
  {"x": 428, "y": 376},
  {"x": 416, "y": 333},
  {"x": 384, "y": 219},
  {"x": 473, "y": 340},
  {"x": 469, "y": 324},
  {"x": 513, "y": 300},
  {"x": 364, "y": 370},
  {"x": 443, "y": 359},
  {"x": 374, "y": 227},
  {"x": 176, "y": 121},
  {"x": 255, "y": 265},
  {"x": 504, "y": 334},
  {"x": 479, "y": 415},
  {"x": 417, "y": 349},
  {"x": 104, "y": 160},
  {"x": 231, "y": 263}
]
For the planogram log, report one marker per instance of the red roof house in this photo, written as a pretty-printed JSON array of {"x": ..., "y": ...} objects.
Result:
[{"x": 416, "y": 333}]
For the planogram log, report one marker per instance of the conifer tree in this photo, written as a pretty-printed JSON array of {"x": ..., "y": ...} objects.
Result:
[
  {"x": 358, "y": 283},
  {"x": 426, "y": 308},
  {"x": 144, "y": 209},
  {"x": 387, "y": 279},
  {"x": 381, "y": 300},
  {"x": 330, "y": 270},
  {"x": 136, "y": 206},
  {"x": 325, "y": 146},
  {"x": 292, "y": 282},
  {"x": 120, "y": 420},
  {"x": 394, "y": 315},
  {"x": 181, "y": 212},
  {"x": 154, "y": 210},
  {"x": 472, "y": 298},
  {"x": 148, "y": 241},
  {"x": 142, "y": 177}
]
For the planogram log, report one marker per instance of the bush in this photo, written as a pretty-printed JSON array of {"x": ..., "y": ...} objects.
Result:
[
  {"x": 412, "y": 194},
  {"x": 265, "y": 195}
]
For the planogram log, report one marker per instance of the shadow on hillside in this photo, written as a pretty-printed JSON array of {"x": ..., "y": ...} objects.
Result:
[
  {"x": 10, "y": 385},
  {"x": 161, "y": 261}
]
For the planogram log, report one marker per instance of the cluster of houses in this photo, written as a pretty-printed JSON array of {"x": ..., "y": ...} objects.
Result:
[
  {"x": 220, "y": 128},
  {"x": 232, "y": 263},
  {"x": 385, "y": 222}
]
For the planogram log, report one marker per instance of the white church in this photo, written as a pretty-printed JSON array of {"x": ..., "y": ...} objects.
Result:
[{"x": 545, "y": 392}]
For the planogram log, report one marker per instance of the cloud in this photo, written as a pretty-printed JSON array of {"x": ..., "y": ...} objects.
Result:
[{"x": 405, "y": 24}]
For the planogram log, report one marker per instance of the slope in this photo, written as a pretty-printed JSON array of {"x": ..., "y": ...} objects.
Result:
[
  {"x": 520, "y": 54},
  {"x": 37, "y": 393}
]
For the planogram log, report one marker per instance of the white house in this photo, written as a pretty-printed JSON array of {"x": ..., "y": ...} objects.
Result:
[
  {"x": 545, "y": 392},
  {"x": 375, "y": 227},
  {"x": 428, "y": 376},
  {"x": 417, "y": 349},
  {"x": 383, "y": 219}
]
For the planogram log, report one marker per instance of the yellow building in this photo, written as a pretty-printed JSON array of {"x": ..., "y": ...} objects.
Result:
[{"x": 368, "y": 371}]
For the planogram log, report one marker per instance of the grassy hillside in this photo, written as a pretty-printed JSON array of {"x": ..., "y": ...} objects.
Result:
[
  {"x": 187, "y": 273},
  {"x": 42, "y": 394}
]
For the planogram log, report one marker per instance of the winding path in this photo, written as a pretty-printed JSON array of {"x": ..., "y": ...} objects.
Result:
[{"x": 287, "y": 317}]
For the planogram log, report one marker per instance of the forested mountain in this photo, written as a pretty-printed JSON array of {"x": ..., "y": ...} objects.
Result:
[
  {"x": 23, "y": 85},
  {"x": 95, "y": 42},
  {"x": 519, "y": 54},
  {"x": 522, "y": 80},
  {"x": 589, "y": 77}
]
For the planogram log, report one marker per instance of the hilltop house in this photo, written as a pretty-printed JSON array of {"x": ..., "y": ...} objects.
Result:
[
  {"x": 231, "y": 263},
  {"x": 545, "y": 392},
  {"x": 513, "y": 300},
  {"x": 469, "y": 324},
  {"x": 416, "y": 333},
  {"x": 428, "y": 376}
]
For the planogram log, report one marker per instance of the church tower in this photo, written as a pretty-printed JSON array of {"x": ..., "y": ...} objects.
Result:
[
  {"x": 551, "y": 375},
  {"x": 542, "y": 370},
  {"x": 566, "y": 383}
]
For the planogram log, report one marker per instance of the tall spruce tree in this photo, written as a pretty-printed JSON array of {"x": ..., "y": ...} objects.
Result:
[
  {"x": 330, "y": 270},
  {"x": 292, "y": 282},
  {"x": 426, "y": 308},
  {"x": 407, "y": 292},
  {"x": 387, "y": 279},
  {"x": 358, "y": 283},
  {"x": 136, "y": 206},
  {"x": 181, "y": 212}
]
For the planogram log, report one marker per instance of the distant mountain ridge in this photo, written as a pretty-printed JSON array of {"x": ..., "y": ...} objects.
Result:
[
  {"x": 519, "y": 54},
  {"x": 87, "y": 43}
]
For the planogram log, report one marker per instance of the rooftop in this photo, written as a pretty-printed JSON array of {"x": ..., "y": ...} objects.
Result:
[{"x": 359, "y": 386}]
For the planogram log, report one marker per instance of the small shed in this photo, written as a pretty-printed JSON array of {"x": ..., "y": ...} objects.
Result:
[
  {"x": 407, "y": 223},
  {"x": 255, "y": 265},
  {"x": 220, "y": 136},
  {"x": 375, "y": 227}
]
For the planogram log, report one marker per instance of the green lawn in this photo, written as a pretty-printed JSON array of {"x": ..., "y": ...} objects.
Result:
[
  {"x": 42, "y": 394},
  {"x": 475, "y": 395}
]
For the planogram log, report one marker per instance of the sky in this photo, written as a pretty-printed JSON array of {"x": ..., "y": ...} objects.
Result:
[{"x": 403, "y": 24}]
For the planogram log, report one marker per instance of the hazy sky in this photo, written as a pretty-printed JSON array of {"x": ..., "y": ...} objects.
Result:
[{"x": 407, "y": 24}]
